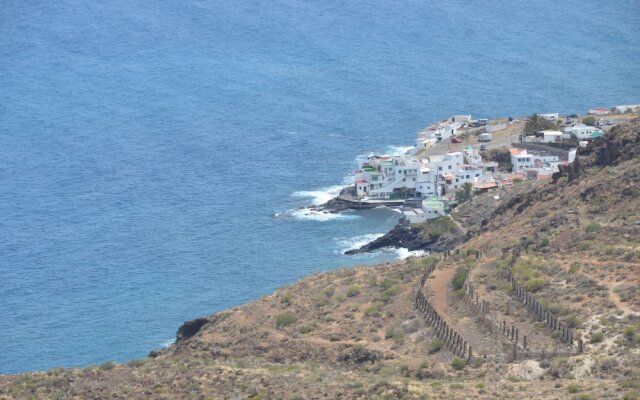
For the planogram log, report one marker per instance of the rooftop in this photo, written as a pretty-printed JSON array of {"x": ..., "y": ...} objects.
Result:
[{"x": 433, "y": 202}]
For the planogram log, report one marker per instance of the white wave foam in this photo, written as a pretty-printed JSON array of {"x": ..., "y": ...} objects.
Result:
[
  {"x": 357, "y": 241},
  {"x": 397, "y": 150},
  {"x": 320, "y": 196},
  {"x": 316, "y": 214},
  {"x": 404, "y": 253},
  {"x": 168, "y": 343}
]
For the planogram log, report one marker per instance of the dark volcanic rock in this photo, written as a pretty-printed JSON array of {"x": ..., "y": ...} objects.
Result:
[
  {"x": 411, "y": 238},
  {"x": 190, "y": 328},
  {"x": 340, "y": 203}
]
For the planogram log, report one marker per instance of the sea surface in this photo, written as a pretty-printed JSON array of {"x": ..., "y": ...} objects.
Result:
[{"x": 153, "y": 154}]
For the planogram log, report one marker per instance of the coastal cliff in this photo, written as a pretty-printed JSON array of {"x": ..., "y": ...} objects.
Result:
[{"x": 569, "y": 249}]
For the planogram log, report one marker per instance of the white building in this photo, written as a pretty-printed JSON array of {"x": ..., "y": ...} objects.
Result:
[
  {"x": 626, "y": 108},
  {"x": 522, "y": 160},
  {"x": 550, "y": 116},
  {"x": 434, "y": 207},
  {"x": 460, "y": 118},
  {"x": 580, "y": 131},
  {"x": 414, "y": 215},
  {"x": 599, "y": 111},
  {"x": 438, "y": 132},
  {"x": 407, "y": 176},
  {"x": 551, "y": 136}
]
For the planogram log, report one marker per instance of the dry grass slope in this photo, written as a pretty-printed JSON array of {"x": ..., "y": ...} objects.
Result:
[{"x": 354, "y": 333}]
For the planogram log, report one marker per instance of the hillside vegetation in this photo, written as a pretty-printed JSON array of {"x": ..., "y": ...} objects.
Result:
[{"x": 356, "y": 333}]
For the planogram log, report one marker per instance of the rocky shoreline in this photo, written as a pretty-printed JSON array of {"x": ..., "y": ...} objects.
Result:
[{"x": 411, "y": 237}]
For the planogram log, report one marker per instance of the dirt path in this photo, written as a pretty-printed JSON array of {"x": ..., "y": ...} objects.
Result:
[{"x": 440, "y": 287}]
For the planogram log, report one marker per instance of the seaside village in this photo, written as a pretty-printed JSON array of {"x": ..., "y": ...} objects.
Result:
[{"x": 428, "y": 185}]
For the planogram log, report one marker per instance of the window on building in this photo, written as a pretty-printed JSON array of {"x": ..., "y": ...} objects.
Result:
[
  {"x": 439, "y": 168},
  {"x": 449, "y": 166}
]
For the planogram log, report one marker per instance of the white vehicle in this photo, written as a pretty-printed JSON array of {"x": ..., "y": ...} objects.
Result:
[{"x": 485, "y": 137}]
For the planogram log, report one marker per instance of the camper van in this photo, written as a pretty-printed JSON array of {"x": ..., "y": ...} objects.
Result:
[{"x": 485, "y": 137}]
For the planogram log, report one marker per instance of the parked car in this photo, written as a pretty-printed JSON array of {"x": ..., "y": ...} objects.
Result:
[
  {"x": 455, "y": 139},
  {"x": 483, "y": 147},
  {"x": 485, "y": 137},
  {"x": 600, "y": 123},
  {"x": 610, "y": 122}
]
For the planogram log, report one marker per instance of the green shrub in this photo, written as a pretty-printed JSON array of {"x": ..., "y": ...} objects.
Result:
[
  {"x": 372, "y": 311},
  {"x": 631, "y": 384},
  {"x": 573, "y": 388},
  {"x": 306, "y": 328},
  {"x": 593, "y": 227},
  {"x": 456, "y": 386},
  {"x": 573, "y": 321},
  {"x": 609, "y": 250},
  {"x": 535, "y": 284},
  {"x": 436, "y": 345},
  {"x": 629, "y": 333},
  {"x": 89, "y": 368},
  {"x": 285, "y": 298},
  {"x": 354, "y": 290},
  {"x": 285, "y": 319},
  {"x": 136, "y": 363},
  {"x": 396, "y": 333},
  {"x": 597, "y": 338},
  {"x": 107, "y": 366},
  {"x": 458, "y": 363},
  {"x": 389, "y": 293},
  {"x": 387, "y": 283},
  {"x": 574, "y": 267},
  {"x": 585, "y": 245},
  {"x": 590, "y": 121},
  {"x": 440, "y": 226},
  {"x": 322, "y": 297},
  {"x": 545, "y": 242},
  {"x": 458, "y": 279}
]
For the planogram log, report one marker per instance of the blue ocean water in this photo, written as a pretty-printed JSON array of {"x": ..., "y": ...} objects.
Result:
[{"x": 152, "y": 154}]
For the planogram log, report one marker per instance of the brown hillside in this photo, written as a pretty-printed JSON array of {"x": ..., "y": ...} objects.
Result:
[{"x": 574, "y": 247}]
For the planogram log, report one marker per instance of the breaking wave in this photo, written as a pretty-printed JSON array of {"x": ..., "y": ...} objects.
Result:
[
  {"x": 404, "y": 253},
  {"x": 320, "y": 196},
  {"x": 318, "y": 214},
  {"x": 356, "y": 242},
  {"x": 397, "y": 150}
]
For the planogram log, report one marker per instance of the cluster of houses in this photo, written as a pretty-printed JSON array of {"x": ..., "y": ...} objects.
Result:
[
  {"x": 407, "y": 176},
  {"x": 426, "y": 185}
]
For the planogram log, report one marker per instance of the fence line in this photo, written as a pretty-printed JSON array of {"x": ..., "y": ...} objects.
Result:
[
  {"x": 452, "y": 339},
  {"x": 534, "y": 307}
]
